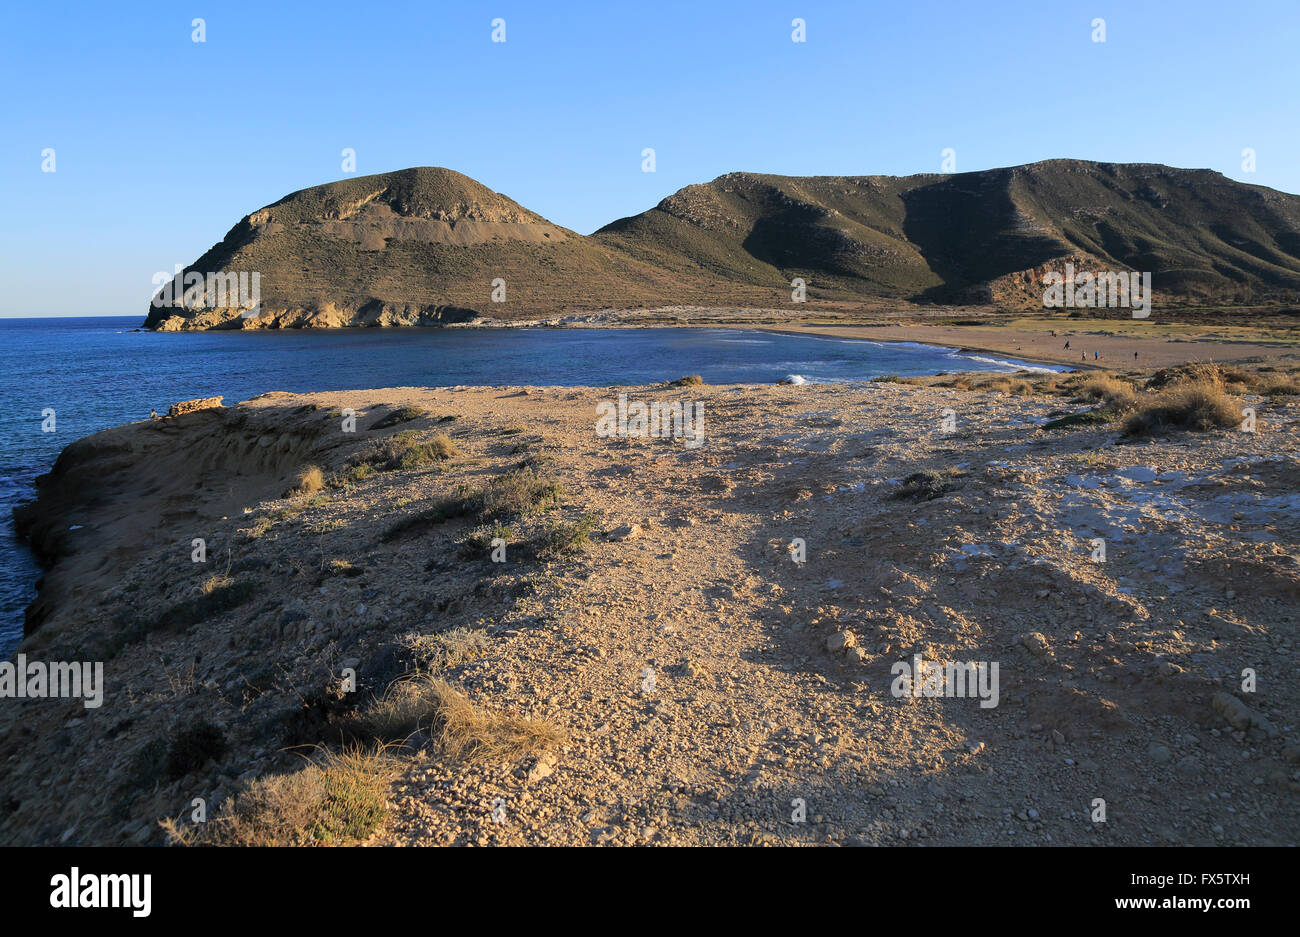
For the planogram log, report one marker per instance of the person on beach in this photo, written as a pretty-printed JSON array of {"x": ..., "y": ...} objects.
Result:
[{"x": 1067, "y": 346}]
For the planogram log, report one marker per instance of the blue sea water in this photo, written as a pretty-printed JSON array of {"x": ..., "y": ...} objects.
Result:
[{"x": 99, "y": 372}]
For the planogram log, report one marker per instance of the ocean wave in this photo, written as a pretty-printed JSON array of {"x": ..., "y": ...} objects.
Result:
[{"x": 1010, "y": 365}]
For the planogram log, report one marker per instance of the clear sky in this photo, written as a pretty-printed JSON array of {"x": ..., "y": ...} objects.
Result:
[{"x": 161, "y": 143}]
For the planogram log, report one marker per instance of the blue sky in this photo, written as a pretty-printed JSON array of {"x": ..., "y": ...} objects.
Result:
[{"x": 162, "y": 144}]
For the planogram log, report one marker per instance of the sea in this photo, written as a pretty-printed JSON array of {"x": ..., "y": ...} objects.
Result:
[{"x": 64, "y": 378}]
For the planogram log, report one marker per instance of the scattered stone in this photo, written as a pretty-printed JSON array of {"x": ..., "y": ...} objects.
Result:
[
  {"x": 841, "y": 641},
  {"x": 1240, "y": 716},
  {"x": 544, "y": 768},
  {"x": 1036, "y": 643}
]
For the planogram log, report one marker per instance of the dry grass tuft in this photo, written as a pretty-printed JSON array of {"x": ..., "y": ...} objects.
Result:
[
  {"x": 259, "y": 529},
  {"x": 460, "y": 730},
  {"x": 447, "y": 649},
  {"x": 441, "y": 447},
  {"x": 1280, "y": 386},
  {"x": 215, "y": 583},
  {"x": 465, "y": 732},
  {"x": 1202, "y": 405},
  {"x": 1013, "y": 386},
  {"x": 337, "y": 799},
  {"x": 1110, "y": 392},
  {"x": 310, "y": 480}
]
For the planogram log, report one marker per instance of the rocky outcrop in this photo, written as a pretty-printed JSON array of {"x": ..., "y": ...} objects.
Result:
[{"x": 190, "y": 406}]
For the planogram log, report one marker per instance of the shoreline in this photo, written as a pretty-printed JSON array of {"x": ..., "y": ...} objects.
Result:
[
  {"x": 1017, "y": 356},
  {"x": 1017, "y": 336},
  {"x": 1154, "y": 352}
]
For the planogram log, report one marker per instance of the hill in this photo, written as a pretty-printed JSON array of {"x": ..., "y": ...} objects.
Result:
[
  {"x": 424, "y": 245},
  {"x": 416, "y": 247},
  {"x": 979, "y": 236}
]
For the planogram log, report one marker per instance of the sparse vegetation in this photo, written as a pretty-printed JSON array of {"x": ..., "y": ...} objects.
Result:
[
  {"x": 458, "y": 728},
  {"x": 480, "y": 541},
  {"x": 448, "y": 508},
  {"x": 923, "y": 486},
  {"x": 1086, "y": 418},
  {"x": 1112, "y": 393},
  {"x": 441, "y": 447},
  {"x": 358, "y": 473},
  {"x": 344, "y": 568},
  {"x": 399, "y": 416},
  {"x": 1277, "y": 386},
  {"x": 447, "y": 649},
  {"x": 309, "y": 481},
  {"x": 404, "y": 452},
  {"x": 213, "y": 583},
  {"x": 463, "y": 731},
  {"x": 518, "y": 493},
  {"x": 1200, "y": 406},
  {"x": 566, "y": 539},
  {"x": 337, "y": 799},
  {"x": 258, "y": 530},
  {"x": 209, "y": 604}
]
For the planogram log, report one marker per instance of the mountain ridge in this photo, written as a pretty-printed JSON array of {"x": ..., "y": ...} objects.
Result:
[{"x": 428, "y": 245}]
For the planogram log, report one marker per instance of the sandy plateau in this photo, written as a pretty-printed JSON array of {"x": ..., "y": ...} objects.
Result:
[{"x": 663, "y": 669}]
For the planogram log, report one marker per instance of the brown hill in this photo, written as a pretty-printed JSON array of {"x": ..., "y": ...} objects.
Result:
[
  {"x": 424, "y": 245},
  {"x": 977, "y": 236},
  {"x": 415, "y": 247}
]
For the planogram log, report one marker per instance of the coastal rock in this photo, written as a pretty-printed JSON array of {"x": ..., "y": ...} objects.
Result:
[{"x": 192, "y": 406}]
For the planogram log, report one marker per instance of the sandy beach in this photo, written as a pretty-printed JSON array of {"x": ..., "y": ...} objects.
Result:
[{"x": 1035, "y": 342}]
